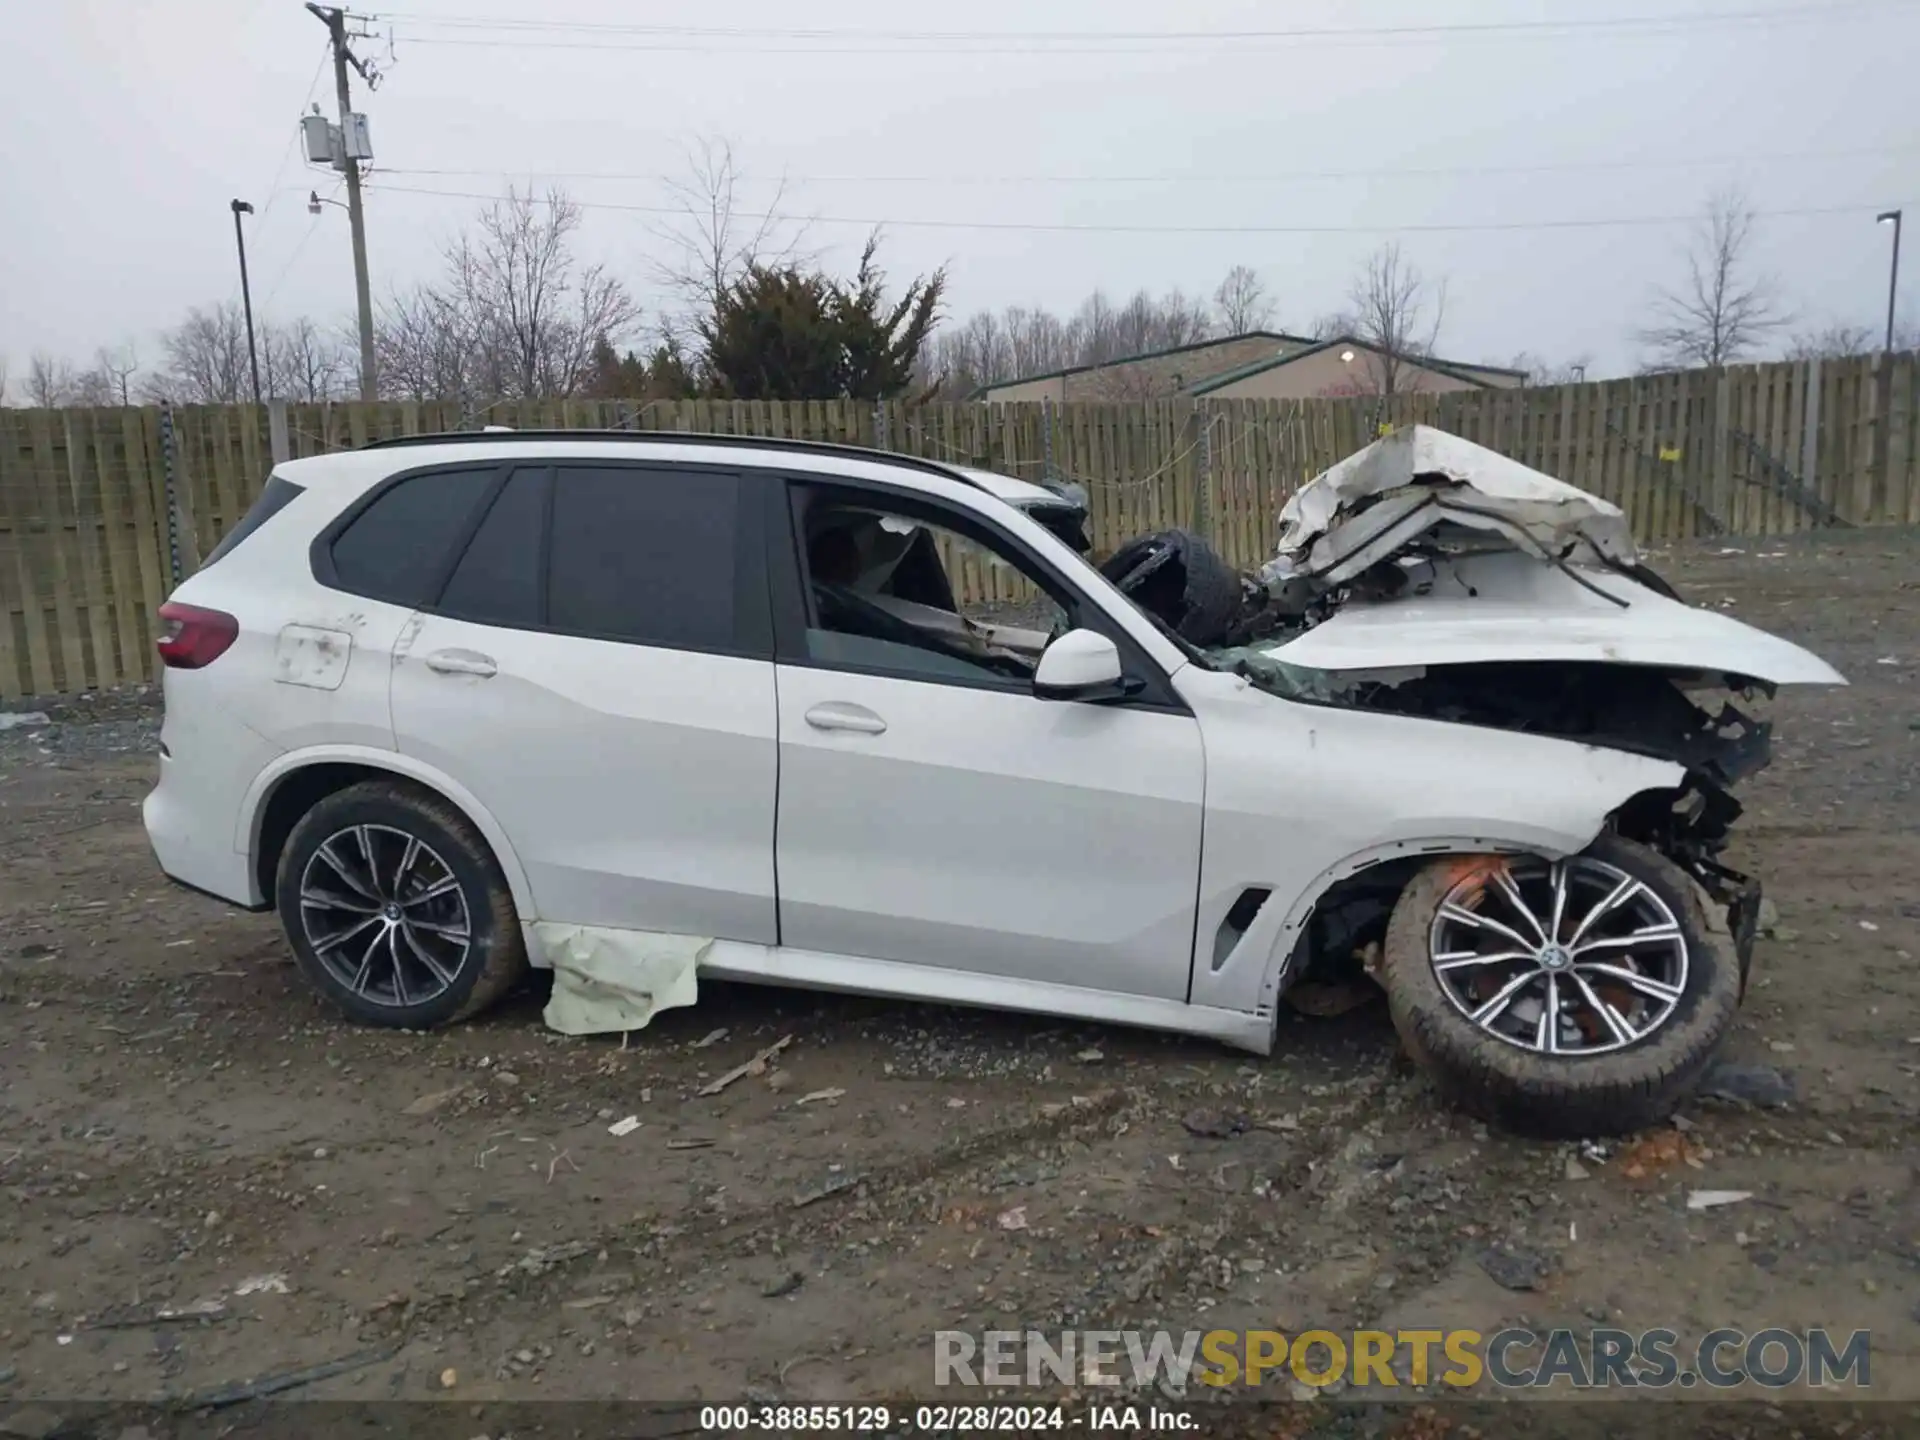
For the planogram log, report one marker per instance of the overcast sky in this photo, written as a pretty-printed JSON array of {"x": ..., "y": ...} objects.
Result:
[{"x": 130, "y": 123}]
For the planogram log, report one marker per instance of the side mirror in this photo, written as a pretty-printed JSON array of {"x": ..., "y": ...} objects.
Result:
[{"x": 1080, "y": 665}]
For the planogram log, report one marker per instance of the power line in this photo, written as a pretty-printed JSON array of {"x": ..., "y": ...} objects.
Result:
[
  {"x": 1242, "y": 177},
  {"x": 1069, "y": 227},
  {"x": 287, "y": 269},
  {"x": 1658, "y": 23}
]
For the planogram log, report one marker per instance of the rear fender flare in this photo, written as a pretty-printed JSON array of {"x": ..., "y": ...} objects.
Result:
[{"x": 246, "y": 838}]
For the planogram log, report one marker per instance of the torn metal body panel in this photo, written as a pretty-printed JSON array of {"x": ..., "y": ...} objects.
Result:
[
  {"x": 1506, "y": 607},
  {"x": 1417, "y": 480}
]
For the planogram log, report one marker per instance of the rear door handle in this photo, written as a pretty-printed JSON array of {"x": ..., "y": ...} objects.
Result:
[
  {"x": 840, "y": 715},
  {"x": 462, "y": 662}
]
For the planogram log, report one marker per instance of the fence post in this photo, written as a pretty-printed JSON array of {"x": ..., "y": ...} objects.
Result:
[
  {"x": 167, "y": 469},
  {"x": 881, "y": 439},
  {"x": 1203, "y": 469},
  {"x": 1810, "y": 435},
  {"x": 278, "y": 440},
  {"x": 1046, "y": 438}
]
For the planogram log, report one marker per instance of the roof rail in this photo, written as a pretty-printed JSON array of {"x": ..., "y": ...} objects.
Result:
[{"x": 674, "y": 437}]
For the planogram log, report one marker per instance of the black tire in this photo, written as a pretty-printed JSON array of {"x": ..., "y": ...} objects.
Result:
[
  {"x": 1568, "y": 1096},
  {"x": 494, "y": 958}
]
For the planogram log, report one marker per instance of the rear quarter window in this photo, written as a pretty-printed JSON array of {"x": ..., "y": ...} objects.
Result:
[
  {"x": 397, "y": 547},
  {"x": 497, "y": 581},
  {"x": 273, "y": 499}
]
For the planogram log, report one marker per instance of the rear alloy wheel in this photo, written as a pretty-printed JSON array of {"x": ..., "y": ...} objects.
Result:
[
  {"x": 1574, "y": 997},
  {"x": 396, "y": 909}
]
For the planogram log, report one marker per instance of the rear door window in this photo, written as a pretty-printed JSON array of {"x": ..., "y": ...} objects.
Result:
[
  {"x": 497, "y": 581},
  {"x": 398, "y": 547},
  {"x": 653, "y": 555}
]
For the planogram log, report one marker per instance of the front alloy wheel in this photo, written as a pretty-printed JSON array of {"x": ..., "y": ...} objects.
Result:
[
  {"x": 1569, "y": 957},
  {"x": 1570, "y": 998}
]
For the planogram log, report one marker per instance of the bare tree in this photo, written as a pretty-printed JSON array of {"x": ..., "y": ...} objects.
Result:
[
  {"x": 1242, "y": 302},
  {"x": 51, "y": 382},
  {"x": 711, "y": 242},
  {"x": 1838, "y": 340},
  {"x": 1333, "y": 325},
  {"x": 516, "y": 314},
  {"x": 304, "y": 363},
  {"x": 429, "y": 348},
  {"x": 206, "y": 359},
  {"x": 1398, "y": 313},
  {"x": 1724, "y": 309},
  {"x": 3, "y": 379},
  {"x": 110, "y": 380},
  {"x": 960, "y": 360},
  {"x": 1037, "y": 341}
]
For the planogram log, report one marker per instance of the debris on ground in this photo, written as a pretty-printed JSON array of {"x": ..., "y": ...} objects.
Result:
[
  {"x": 1014, "y": 1219},
  {"x": 1651, "y": 1154},
  {"x": 21, "y": 719},
  {"x": 1761, "y": 1085},
  {"x": 756, "y": 1066},
  {"x": 832, "y": 1187},
  {"x": 433, "y": 1100},
  {"x": 1516, "y": 1268},
  {"x": 226, "y": 1396},
  {"x": 785, "y": 1285},
  {"x": 1214, "y": 1124},
  {"x": 624, "y": 1127},
  {"x": 1326, "y": 1000},
  {"x": 141, "y": 1318},
  {"x": 270, "y": 1284},
  {"x": 1714, "y": 1199},
  {"x": 832, "y": 1092}
]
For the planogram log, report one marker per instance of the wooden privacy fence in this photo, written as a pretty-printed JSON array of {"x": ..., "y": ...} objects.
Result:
[{"x": 103, "y": 511}]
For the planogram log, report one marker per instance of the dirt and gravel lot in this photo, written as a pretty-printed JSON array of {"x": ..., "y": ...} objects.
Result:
[{"x": 185, "y": 1127}]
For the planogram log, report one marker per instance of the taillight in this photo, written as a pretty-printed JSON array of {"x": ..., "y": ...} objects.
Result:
[{"x": 191, "y": 636}]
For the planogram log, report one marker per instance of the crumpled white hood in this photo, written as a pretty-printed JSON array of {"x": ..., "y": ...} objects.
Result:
[
  {"x": 1506, "y": 607},
  {"x": 1556, "y": 591},
  {"x": 1410, "y": 482}
]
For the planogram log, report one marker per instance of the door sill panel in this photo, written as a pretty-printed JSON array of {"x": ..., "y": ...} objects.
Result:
[{"x": 817, "y": 970}]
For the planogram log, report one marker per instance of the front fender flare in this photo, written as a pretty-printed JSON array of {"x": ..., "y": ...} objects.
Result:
[{"x": 1288, "y": 926}]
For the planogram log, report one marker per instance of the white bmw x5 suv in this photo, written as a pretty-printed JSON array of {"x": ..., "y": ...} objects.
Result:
[{"x": 650, "y": 708}]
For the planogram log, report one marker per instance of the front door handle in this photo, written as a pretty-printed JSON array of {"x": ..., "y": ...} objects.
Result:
[
  {"x": 462, "y": 662},
  {"x": 839, "y": 715}
]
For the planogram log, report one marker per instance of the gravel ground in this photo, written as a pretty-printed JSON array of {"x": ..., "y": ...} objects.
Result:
[{"x": 183, "y": 1125}]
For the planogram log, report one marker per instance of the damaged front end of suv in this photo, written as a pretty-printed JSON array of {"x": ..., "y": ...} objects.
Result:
[{"x": 1429, "y": 577}]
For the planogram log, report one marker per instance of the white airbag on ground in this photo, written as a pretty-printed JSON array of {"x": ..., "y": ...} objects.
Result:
[{"x": 607, "y": 980}]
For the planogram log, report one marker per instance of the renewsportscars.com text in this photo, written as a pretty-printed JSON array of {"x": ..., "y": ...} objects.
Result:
[{"x": 1514, "y": 1359}]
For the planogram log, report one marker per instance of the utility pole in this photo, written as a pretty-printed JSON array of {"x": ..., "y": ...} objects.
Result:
[
  {"x": 335, "y": 20},
  {"x": 1892, "y": 217},
  {"x": 241, "y": 207}
]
